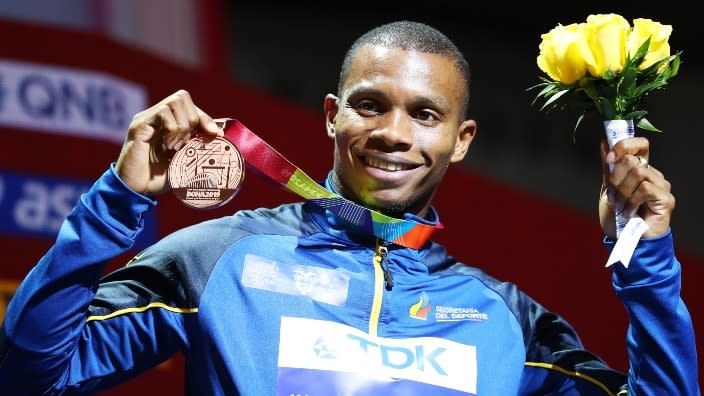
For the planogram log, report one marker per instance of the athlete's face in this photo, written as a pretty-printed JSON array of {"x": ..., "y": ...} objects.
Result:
[{"x": 397, "y": 126}]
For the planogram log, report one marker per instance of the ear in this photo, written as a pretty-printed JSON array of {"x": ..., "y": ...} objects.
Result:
[
  {"x": 330, "y": 106},
  {"x": 467, "y": 130}
]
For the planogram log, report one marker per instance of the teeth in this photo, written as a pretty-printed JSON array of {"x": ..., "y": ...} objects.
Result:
[{"x": 380, "y": 164}]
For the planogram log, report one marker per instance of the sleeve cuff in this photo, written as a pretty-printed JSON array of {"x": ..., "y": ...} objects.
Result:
[
  {"x": 652, "y": 261},
  {"x": 116, "y": 204}
]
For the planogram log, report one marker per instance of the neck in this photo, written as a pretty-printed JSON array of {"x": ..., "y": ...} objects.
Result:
[{"x": 398, "y": 210}]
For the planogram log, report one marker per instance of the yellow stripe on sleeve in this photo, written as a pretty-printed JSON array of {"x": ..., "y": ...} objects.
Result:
[
  {"x": 141, "y": 309},
  {"x": 572, "y": 374}
]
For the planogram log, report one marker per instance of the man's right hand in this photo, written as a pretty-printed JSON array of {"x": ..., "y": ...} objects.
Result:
[{"x": 153, "y": 137}]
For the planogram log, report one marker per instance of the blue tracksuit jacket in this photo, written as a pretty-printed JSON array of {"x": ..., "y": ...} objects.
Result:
[{"x": 291, "y": 301}]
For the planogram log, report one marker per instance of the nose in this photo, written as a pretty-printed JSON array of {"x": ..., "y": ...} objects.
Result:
[{"x": 394, "y": 130}]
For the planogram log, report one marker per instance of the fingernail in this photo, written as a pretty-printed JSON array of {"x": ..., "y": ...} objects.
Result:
[
  {"x": 178, "y": 145},
  {"x": 610, "y": 157}
]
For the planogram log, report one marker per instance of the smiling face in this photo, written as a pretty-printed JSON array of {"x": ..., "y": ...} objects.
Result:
[{"x": 397, "y": 126}]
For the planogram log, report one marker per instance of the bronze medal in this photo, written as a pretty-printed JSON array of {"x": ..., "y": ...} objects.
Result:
[{"x": 207, "y": 172}]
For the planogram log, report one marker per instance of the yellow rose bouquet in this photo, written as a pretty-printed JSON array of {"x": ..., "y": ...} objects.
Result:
[{"x": 607, "y": 66}]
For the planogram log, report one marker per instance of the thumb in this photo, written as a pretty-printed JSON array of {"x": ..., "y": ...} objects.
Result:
[{"x": 605, "y": 170}]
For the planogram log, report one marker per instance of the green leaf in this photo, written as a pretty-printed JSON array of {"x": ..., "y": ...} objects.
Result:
[
  {"x": 670, "y": 65},
  {"x": 537, "y": 86},
  {"x": 643, "y": 123},
  {"x": 607, "y": 109},
  {"x": 642, "y": 89},
  {"x": 589, "y": 89},
  {"x": 652, "y": 70},
  {"x": 675, "y": 65},
  {"x": 637, "y": 59},
  {"x": 548, "y": 88},
  {"x": 554, "y": 97},
  {"x": 635, "y": 115},
  {"x": 628, "y": 79},
  {"x": 608, "y": 75},
  {"x": 576, "y": 125}
]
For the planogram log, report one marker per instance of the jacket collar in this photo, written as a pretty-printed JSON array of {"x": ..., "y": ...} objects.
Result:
[{"x": 341, "y": 229}]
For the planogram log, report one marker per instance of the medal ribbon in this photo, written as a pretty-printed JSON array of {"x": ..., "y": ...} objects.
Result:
[{"x": 270, "y": 163}]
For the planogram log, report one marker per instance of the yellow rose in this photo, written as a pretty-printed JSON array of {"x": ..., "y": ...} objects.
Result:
[
  {"x": 606, "y": 36},
  {"x": 659, "y": 35},
  {"x": 563, "y": 52}
]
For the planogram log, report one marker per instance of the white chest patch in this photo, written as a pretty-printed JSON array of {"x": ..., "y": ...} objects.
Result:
[
  {"x": 320, "y": 284},
  {"x": 321, "y": 357}
]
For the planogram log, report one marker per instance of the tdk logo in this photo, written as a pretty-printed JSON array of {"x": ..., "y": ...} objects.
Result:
[
  {"x": 391, "y": 356},
  {"x": 323, "y": 349}
]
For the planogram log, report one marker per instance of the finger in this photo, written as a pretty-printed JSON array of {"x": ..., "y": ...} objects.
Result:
[
  {"x": 642, "y": 184},
  {"x": 166, "y": 127},
  {"x": 186, "y": 115},
  {"x": 626, "y": 176},
  {"x": 650, "y": 198},
  {"x": 629, "y": 146},
  {"x": 207, "y": 124}
]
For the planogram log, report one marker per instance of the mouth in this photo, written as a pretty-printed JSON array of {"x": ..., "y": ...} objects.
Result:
[{"x": 386, "y": 165}]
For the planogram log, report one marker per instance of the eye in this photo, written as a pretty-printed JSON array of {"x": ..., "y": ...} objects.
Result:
[
  {"x": 367, "y": 107},
  {"x": 426, "y": 115}
]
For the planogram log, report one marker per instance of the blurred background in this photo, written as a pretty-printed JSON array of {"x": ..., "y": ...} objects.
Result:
[{"x": 522, "y": 205}]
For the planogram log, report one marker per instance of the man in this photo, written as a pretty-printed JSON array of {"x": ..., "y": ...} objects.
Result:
[{"x": 297, "y": 300}]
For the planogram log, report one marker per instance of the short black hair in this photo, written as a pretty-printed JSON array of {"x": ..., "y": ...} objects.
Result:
[{"x": 410, "y": 35}]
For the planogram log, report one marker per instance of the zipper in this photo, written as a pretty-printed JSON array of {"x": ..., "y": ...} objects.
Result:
[
  {"x": 388, "y": 276},
  {"x": 382, "y": 280}
]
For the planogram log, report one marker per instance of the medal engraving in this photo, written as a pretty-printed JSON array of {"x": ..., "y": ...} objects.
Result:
[{"x": 206, "y": 172}]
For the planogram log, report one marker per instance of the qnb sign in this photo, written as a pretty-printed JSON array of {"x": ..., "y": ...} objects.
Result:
[
  {"x": 96, "y": 103},
  {"x": 67, "y": 101}
]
